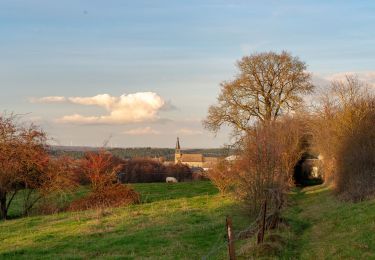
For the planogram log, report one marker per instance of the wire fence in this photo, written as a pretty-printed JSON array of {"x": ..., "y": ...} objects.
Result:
[{"x": 257, "y": 227}]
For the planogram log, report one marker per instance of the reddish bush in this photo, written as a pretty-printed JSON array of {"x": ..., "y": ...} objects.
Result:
[
  {"x": 113, "y": 196},
  {"x": 101, "y": 169},
  {"x": 26, "y": 165}
]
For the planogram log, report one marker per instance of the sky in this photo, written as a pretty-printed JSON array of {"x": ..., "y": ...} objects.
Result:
[{"x": 140, "y": 73}]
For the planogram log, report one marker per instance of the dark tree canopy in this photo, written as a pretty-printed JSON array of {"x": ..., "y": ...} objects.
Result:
[{"x": 268, "y": 84}]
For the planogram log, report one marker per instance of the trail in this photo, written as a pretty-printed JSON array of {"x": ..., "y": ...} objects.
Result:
[{"x": 323, "y": 227}]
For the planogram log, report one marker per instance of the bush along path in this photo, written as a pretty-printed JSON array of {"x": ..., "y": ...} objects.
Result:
[{"x": 320, "y": 226}]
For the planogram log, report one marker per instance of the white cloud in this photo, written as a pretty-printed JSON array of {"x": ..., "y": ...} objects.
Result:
[
  {"x": 365, "y": 76},
  {"x": 127, "y": 108},
  {"x": 188, "y": 131},
  {"x": 142, "y": 131},
  {"x": 51, "y": 99},
  {"x": 103, "y": 100}
]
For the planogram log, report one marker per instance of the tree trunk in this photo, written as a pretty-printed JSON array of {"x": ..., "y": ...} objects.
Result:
[{"x": 3, "y": 205}]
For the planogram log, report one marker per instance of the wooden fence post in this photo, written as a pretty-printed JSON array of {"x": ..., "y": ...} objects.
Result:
[
  {"x": 231, "y": 249},
  {"x": 263, "y": 227}
]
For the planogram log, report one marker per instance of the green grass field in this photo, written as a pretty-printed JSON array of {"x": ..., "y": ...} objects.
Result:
[
  {"x": 187, "y": 221},
  {"x": 322, "y": 227},
  {"x": 175, "y": 221}
]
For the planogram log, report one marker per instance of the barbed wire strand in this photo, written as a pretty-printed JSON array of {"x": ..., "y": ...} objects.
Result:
[{"x": 254, "y": 226}]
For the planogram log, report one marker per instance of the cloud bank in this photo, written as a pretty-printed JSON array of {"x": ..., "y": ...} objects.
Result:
[
  {"x": 142, "y": 131},
  {"x": 188, "y": 131},
  {"x": 51, "y": 99},
  {"x": 127, "y": 108}
]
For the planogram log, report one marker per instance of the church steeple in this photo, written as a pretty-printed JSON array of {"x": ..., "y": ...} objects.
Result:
[
  {"x": 178, "y": 144},
  {"x": 177, "y": 154}
]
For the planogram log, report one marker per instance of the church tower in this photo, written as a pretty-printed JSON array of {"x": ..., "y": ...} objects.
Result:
[{"x": 177, "y": 154}]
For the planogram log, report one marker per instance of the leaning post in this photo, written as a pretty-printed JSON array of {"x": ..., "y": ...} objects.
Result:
[
  {"x": 263, "y": 227},
  {"x": 231, "y": 249}
]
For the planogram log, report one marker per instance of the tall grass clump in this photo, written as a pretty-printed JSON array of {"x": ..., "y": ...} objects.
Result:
[{"x": 344, "y": 136}]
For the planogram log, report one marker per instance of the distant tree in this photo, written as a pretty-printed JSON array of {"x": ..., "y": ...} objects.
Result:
[{"x": 268, "y": 84}]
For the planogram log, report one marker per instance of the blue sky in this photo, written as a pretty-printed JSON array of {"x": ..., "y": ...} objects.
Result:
[{"x": 179, "y": 50}]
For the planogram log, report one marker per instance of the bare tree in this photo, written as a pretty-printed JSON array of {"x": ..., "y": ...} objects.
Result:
[{"x": 267, "y": 85}]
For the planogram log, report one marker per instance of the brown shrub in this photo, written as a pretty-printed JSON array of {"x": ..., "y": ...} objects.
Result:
[
  {"x": 112, "y": 196},
  {"x": 222, "y": 176},
  {"x": 142, "y": 170},
  {"x": 356, "y": 157},
  {"x": 266, "y": 162},
  {"x": 344, "y": 136},
  {"x": 180, "y": 171}
]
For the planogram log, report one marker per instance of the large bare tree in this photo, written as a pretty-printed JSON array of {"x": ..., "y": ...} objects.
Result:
[{"x": 268, "y": 84}]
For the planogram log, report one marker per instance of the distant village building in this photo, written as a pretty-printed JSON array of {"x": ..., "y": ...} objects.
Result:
[
  {"x": 232, "y": 158},
  {"x": 195, "y": 160}
]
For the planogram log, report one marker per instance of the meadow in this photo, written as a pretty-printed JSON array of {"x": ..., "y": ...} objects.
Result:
[
  {"x": 187, "y": 221},
  {"x": 174, "y": 221}
]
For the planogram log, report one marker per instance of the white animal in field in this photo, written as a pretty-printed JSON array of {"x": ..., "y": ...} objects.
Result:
[{"x": 171, "y": 180}]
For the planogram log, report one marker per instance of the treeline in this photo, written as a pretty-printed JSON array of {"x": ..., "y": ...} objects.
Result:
[{"x": 141, "y": 152}]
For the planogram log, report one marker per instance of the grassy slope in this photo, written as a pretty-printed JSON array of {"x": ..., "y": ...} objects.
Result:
[
  {"x": 326, "y": 228},
  {"x": 178, "y": 221}
]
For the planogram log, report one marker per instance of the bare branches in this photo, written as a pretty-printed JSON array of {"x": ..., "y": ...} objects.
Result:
[
  {"x": 267, "y": 86},
  {"x": 344, "y": 136}
]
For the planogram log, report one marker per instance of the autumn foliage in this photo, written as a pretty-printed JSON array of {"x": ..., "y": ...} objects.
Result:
[
  {"x": 101, "y": 169},
  {"x": 26, "y": 165}
]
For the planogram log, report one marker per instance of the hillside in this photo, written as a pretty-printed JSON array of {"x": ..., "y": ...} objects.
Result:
[
  {"x": 187, "y": 221},
  {"x": 178, "y": 221}
]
